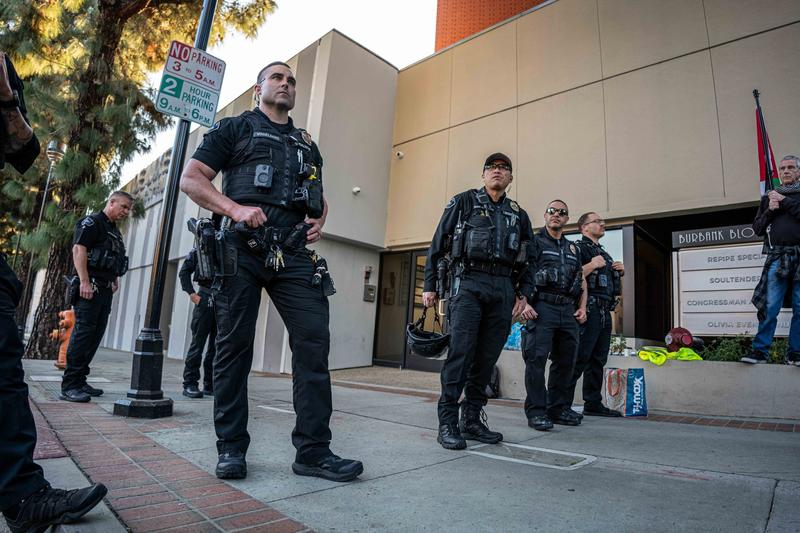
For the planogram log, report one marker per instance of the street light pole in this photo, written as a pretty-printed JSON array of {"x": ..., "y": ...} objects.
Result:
[
  {"x": 145, "y": 399},
  {"x": 55, "y": 152}
]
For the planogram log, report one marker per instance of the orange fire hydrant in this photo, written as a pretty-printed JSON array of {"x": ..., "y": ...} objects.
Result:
[{"x": 63, "y": 333}]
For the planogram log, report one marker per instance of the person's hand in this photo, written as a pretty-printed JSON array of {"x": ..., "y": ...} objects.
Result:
[
  {"x": 114, "y": 286},
  {"x": 5, "y": 84},
  {"x": 775, "y": 196},
  {"x": 529, "y": 313},
  {"x": 252, "y": 216},
  {"x": 598, "y": 261},
  {"x": 429, "y": 299},
  {"x": 618, "y": 266},
  {"x": 195, "y": 298},
  {"x": 774, "y": 205},
  {"x": 87, "y": 291},
  {"x": 580, "y": 315},
  {"x": 519, "y": 306},
  {"x": 315, "y": 231}
]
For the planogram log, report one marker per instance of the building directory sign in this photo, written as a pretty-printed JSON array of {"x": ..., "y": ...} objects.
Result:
[
  {"x": 715, "y": 286},
  {"x": 190, "y": 84}
]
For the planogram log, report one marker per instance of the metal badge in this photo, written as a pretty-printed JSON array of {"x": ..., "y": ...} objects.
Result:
[{"x": 514, "y": 205}]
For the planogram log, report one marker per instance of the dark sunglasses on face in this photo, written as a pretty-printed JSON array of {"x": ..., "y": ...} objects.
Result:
[
  {"x": 554, "y": 210},
  {"x": 498, "y": 166}
]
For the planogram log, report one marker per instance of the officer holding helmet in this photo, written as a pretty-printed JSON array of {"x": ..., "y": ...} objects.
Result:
[
  {"x": 557, "y": 290},
  {"x": 484, "y": 235},
  {"x": 98, "y": 254},
  {"x": 270, "y": 207},
  {"x": 603, "y": 283}
]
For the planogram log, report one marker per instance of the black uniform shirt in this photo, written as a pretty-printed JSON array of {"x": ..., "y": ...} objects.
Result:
[
  {"x": 92, "y": 231},
  {"x": 186, "y": 271},
  {"x": 24, "y": 158},
  {"x": 783, "y": 223},
  {"x": 218, "y": 151},
  {"x": 460, "y": 206},
  {"x": 589, "y": 250},
  {"x": 541, "y": 242}
]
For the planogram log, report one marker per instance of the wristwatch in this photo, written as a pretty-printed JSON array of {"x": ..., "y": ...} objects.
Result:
[{"x": 10, "y": 104}]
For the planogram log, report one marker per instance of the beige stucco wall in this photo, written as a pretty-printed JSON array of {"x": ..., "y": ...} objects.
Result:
[
  {"x": 625, "y": 107},
  {"x": 345, "y": 99}
]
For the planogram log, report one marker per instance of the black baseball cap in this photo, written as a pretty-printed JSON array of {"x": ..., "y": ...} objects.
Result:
[{"x": 498, "y": 157}]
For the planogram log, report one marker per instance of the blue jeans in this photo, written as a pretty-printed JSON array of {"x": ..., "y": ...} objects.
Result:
[{"x": 776, "y": 289}]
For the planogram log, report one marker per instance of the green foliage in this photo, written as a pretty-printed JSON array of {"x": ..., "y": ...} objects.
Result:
[
  {"x": 735, "y": 347},
  {"x": 618, "y": 344}
]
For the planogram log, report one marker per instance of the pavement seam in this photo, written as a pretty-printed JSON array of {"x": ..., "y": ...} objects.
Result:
[
  {"x": 771, "y": 505},
  {"x": 364, "y": 481}
]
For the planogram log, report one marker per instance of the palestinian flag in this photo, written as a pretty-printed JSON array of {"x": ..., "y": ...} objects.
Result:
[{"x": 768, "y": 170}]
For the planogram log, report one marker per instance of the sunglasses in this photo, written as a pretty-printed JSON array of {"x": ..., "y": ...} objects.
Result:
[
  {"x": 554, "y": 210},
  {"x": 596, "y": 221},
  {"x": 498, "y": 166}
]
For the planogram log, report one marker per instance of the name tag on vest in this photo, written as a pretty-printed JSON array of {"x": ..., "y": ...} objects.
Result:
[{"x": 267, "y": 135}]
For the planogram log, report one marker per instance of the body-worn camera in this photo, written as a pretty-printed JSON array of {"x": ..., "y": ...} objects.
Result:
[{"x": 263, "y": 177}]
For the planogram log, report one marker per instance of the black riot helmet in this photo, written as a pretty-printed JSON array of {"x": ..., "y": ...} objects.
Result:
[{"x": 428, "y": 344}]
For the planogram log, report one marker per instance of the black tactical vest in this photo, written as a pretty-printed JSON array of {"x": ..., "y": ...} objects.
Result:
[
  {"x": 108, "y": 258},
  {"x": 602, "y": 282},
  {"x": 275, "y": 169},
  {"x": 557, "y": 266},
  {"x": 491, "y": 232}
]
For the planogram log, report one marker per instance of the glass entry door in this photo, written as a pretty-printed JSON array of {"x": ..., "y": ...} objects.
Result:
[
  {"x": 415, "y": 362},
  {"x": 400, "y": 302}
]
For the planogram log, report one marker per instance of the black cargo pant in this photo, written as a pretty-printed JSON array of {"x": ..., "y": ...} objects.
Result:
[
  {"x": 553, "y": 333},
  {"x": 480, "y": 321},
  {"x": 19, "y": 475},
  {"x": 595, "y": 341},
  {"x": 204, "y": 328},
  {"x": 91, "y": 319},
  {"x": 304, "y": 310}
]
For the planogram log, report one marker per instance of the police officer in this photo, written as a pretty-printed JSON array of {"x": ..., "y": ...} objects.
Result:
[
  {"x": 271, "y": 186},
  {"x": 482, "y": 231},
  {"x": 98, "y": 254},
  {"x": 27, "y": 501},
  {"x": 552, "y": 321},
  {"x": 204, "y": 328},
  {"x": 603, "y": 284}
]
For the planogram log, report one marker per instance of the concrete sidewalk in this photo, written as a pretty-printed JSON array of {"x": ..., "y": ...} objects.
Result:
[{"x": 620, "y": 474}]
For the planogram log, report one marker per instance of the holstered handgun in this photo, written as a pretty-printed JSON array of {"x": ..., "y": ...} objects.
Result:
[
  {"x": 205, "y": 248},
  {"x": 322, "y": 277},
  {"x": 73, "y": 290}
]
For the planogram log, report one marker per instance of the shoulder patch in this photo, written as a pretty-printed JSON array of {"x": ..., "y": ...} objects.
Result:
[
  {"x": 306, "y": 136},
  {"x": 215, "y": 127},
  {"x": 514, "y": 205},
  {"x": 87, "y": 222},
  {"x": 451, "y": 203},
  {"x": 572, "y": 248}
]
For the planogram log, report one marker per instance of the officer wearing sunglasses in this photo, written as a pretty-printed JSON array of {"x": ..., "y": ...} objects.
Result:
[
  {"x": 483, "y": 235},
  {"x": 557, "y": 304}
]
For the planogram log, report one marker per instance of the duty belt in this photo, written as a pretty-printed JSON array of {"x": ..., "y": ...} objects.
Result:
[
  {"x": 554, "y": 298},
  {"x": 101, "y": 283},
  {"x": 268, "y": 235},
  {"x": 489, "y": 268},
  {"x": 603, "y": 303}
]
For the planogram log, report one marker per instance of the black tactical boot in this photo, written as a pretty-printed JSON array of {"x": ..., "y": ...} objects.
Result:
[
  {"x": 540, "y": 423},
  {"x": 52, "y": 506},
  {"x": 91, "y": 391},
  {"x": 450, "y": 438},
  {"x": 231, "y": 465},
  {"x": 191, "y": 391},
  {"x": 74, "y": 395},
  {"x": 331, "y": 467},
  {"x": 473, "y": 425}
]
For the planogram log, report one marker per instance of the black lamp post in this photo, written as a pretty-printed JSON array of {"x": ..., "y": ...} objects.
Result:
[
  {"x": 55, "y": 152},
  {"x": 145, "y": 398}
]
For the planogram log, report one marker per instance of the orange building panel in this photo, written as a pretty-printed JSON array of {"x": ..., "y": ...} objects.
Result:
[{"x": 458, "y": 19}]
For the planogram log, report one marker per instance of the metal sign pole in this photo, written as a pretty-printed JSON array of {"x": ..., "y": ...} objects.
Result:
[{"x": 145, "y": 399}]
